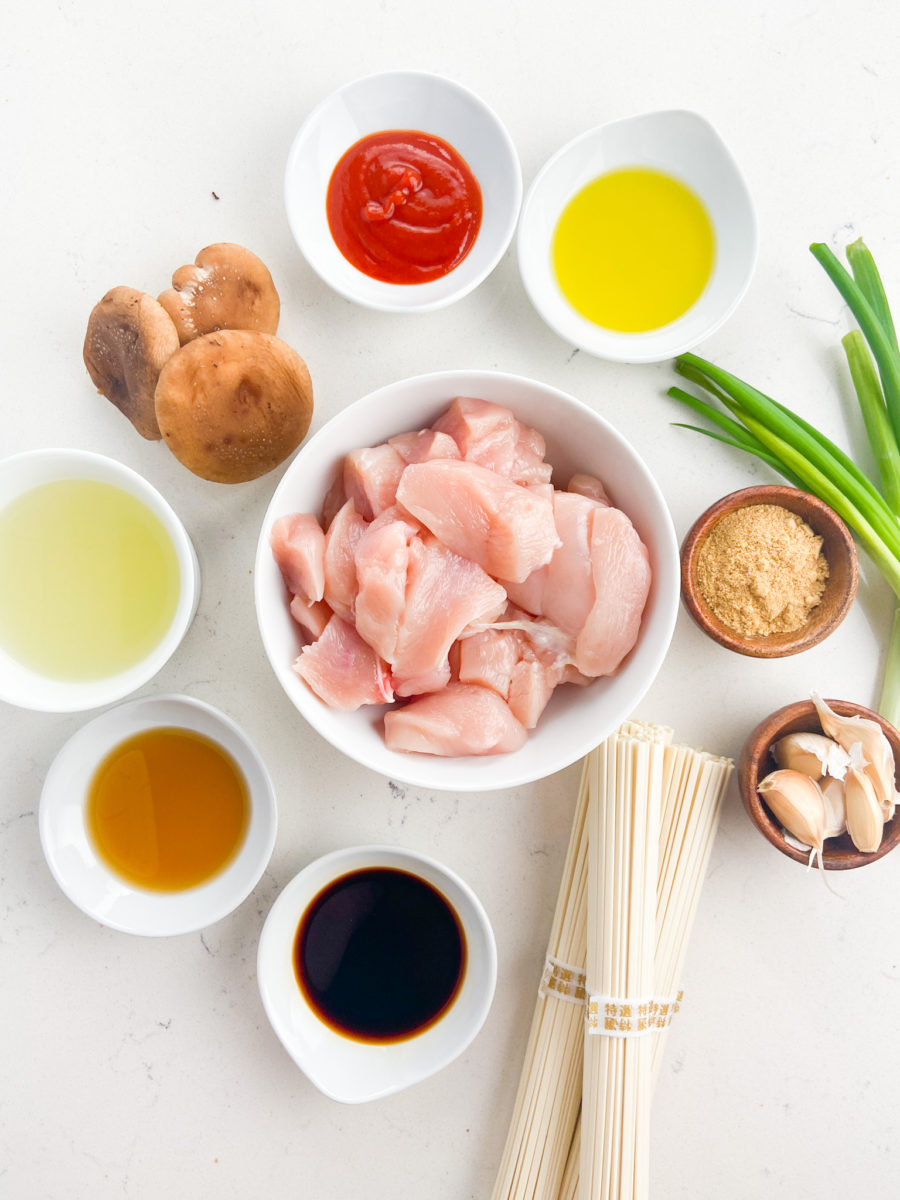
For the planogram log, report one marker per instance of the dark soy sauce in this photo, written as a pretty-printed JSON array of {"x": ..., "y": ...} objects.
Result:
[{"x": 379, "y": 955}]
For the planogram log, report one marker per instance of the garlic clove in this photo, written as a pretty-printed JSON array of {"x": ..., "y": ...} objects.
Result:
[
  {"x": 797, "y": 802},
  {"x": 857, "y": 756},
  {"x": 865, "y": 817},
  {"x": 811, "y": 753},
  {"x": 835, "y": 811},
  {"x": 879, "y": 756}
]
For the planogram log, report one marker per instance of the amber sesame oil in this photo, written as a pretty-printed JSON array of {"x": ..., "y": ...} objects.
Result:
[
  {"x": 89, "y": 579},
  {"x": 633, "y": 250}
]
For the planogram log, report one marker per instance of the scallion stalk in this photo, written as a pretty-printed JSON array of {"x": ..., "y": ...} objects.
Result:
[
  {"x": 866, "y": 274},
  {"x": 876, "y": 334},
  {"x": 878, "y": 428}
]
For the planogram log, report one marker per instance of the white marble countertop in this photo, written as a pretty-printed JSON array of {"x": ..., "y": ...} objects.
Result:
[{"x": 130, "y": 139}]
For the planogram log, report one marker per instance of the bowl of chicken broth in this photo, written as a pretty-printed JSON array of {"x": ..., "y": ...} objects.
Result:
[
  {"x": 439, "y": 587},
  {"x": 99, "y": 581}
]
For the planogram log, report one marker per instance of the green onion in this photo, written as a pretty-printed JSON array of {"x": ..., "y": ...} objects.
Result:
[
  {"x": 878, "y": 428},
  {"x": 758, "y": 425},
  {"x": 862, "y": 264},
  {"x": 878, "y": 335}
]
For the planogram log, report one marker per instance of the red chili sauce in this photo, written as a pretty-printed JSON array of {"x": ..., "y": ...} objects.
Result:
[{"x": 403, "y": 206}]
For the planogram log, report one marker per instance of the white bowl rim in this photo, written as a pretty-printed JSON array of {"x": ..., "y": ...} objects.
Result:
[
  {"x": 264, "y": 814},
  {"x": 296, "y": 896},
  {"x": 619, "y": 346},
  {"x": 64, "y": 696},
  {"x": 424, "y": 770},
  {"x": 386, "y": 298}
]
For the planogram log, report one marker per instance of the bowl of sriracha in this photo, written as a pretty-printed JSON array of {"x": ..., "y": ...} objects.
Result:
[
  {"x": 466, "y": 580},
  {"x": 402, "y": 190}
]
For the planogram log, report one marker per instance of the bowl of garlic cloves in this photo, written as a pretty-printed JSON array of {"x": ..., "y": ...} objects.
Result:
[{"x": 819, "y": 780}]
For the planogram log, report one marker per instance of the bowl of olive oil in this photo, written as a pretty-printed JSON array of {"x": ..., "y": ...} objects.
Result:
[
  {"x": 99, "y": 581},
  {"x": 638, "y": 239}
]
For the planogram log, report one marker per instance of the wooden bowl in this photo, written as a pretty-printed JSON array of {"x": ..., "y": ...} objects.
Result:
[
  {"x": 840, "y": 587},
  {"x": 756, "y": 762}
]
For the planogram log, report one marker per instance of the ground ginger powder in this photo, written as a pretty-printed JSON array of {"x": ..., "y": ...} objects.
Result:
[{"x": 761, "y": 570}]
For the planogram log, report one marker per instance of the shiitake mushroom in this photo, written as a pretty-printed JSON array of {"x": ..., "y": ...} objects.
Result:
[
  {"x": 233, "y": 405},
  {"x": 226, "y": 287},
  {"x": 130, "y": 337}
]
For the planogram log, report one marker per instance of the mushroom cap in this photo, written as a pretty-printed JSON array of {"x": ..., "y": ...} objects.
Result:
[
  {"x": 130, "y": 337},
  {"x": 233, "y": 405},
  {"x": 226, "y": 287}
]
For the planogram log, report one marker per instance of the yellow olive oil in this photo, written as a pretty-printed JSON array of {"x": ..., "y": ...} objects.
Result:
[
  {"x": 633, "y": 250},
  {"x": 89, "y": 579},
  {"x": 168, "y": 809}
]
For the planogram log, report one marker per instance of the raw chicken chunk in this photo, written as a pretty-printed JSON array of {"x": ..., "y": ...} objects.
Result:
[
  {"x": 444, "y": 594},
  {"x": 382, "y": 561},
  {"x": 298, "y": 543},
  {"x": 311, "y": 615},
  {"x": 563, "y": 590},
  {"x": 424, "y": 445},
  {"x": 621, "y": 570},
  {"x": 489, "y": 659},
  {"x": 505, "y": 528},
  {"x": 489, "y": 435},
  {"x": 341, "y": 541},
  {"x": 590, "y": 486},
  {"x": 460, "y": 719},
  {"x": 343, "y": 670},
  {"x": 530, "y": 689},
  {"x": 595, "y": 587},
  {"x": 371, "y": 476},
  {"x": 335, "y": 499},
  {"x": 415, "y": 597},
  {"x": 517, "y": 664}
]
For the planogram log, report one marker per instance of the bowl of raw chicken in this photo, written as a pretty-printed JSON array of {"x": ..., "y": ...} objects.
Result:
[{"x": 466, "y": 580}]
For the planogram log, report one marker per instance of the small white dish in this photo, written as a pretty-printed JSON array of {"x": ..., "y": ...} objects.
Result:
[
  {"x": 86, "y": 879},
  {"x": 22, "y": 686},
  {"x": 402, "y": 100},
  {"x": 681, "y": 144},
  {"x": 355, "y": 1071},
  {"x": 578, "y": 439}
]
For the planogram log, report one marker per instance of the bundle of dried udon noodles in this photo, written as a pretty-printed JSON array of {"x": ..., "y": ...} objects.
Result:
[{"x": 691, "y": 785}]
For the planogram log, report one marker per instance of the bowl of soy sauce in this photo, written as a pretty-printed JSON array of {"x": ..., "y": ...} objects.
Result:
[{"x": 377, "y": 967}]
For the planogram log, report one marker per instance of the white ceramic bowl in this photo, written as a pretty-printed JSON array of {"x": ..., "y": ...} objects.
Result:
[
  {"x": 402, "y": 100},
  {"x": 26, "y": 688},
  {"x": 341, "y": 1067},
  {"x": 681, "y": 144},
  {"x": 86, "y": 879},
  {"x": 578, "y": 439}
]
